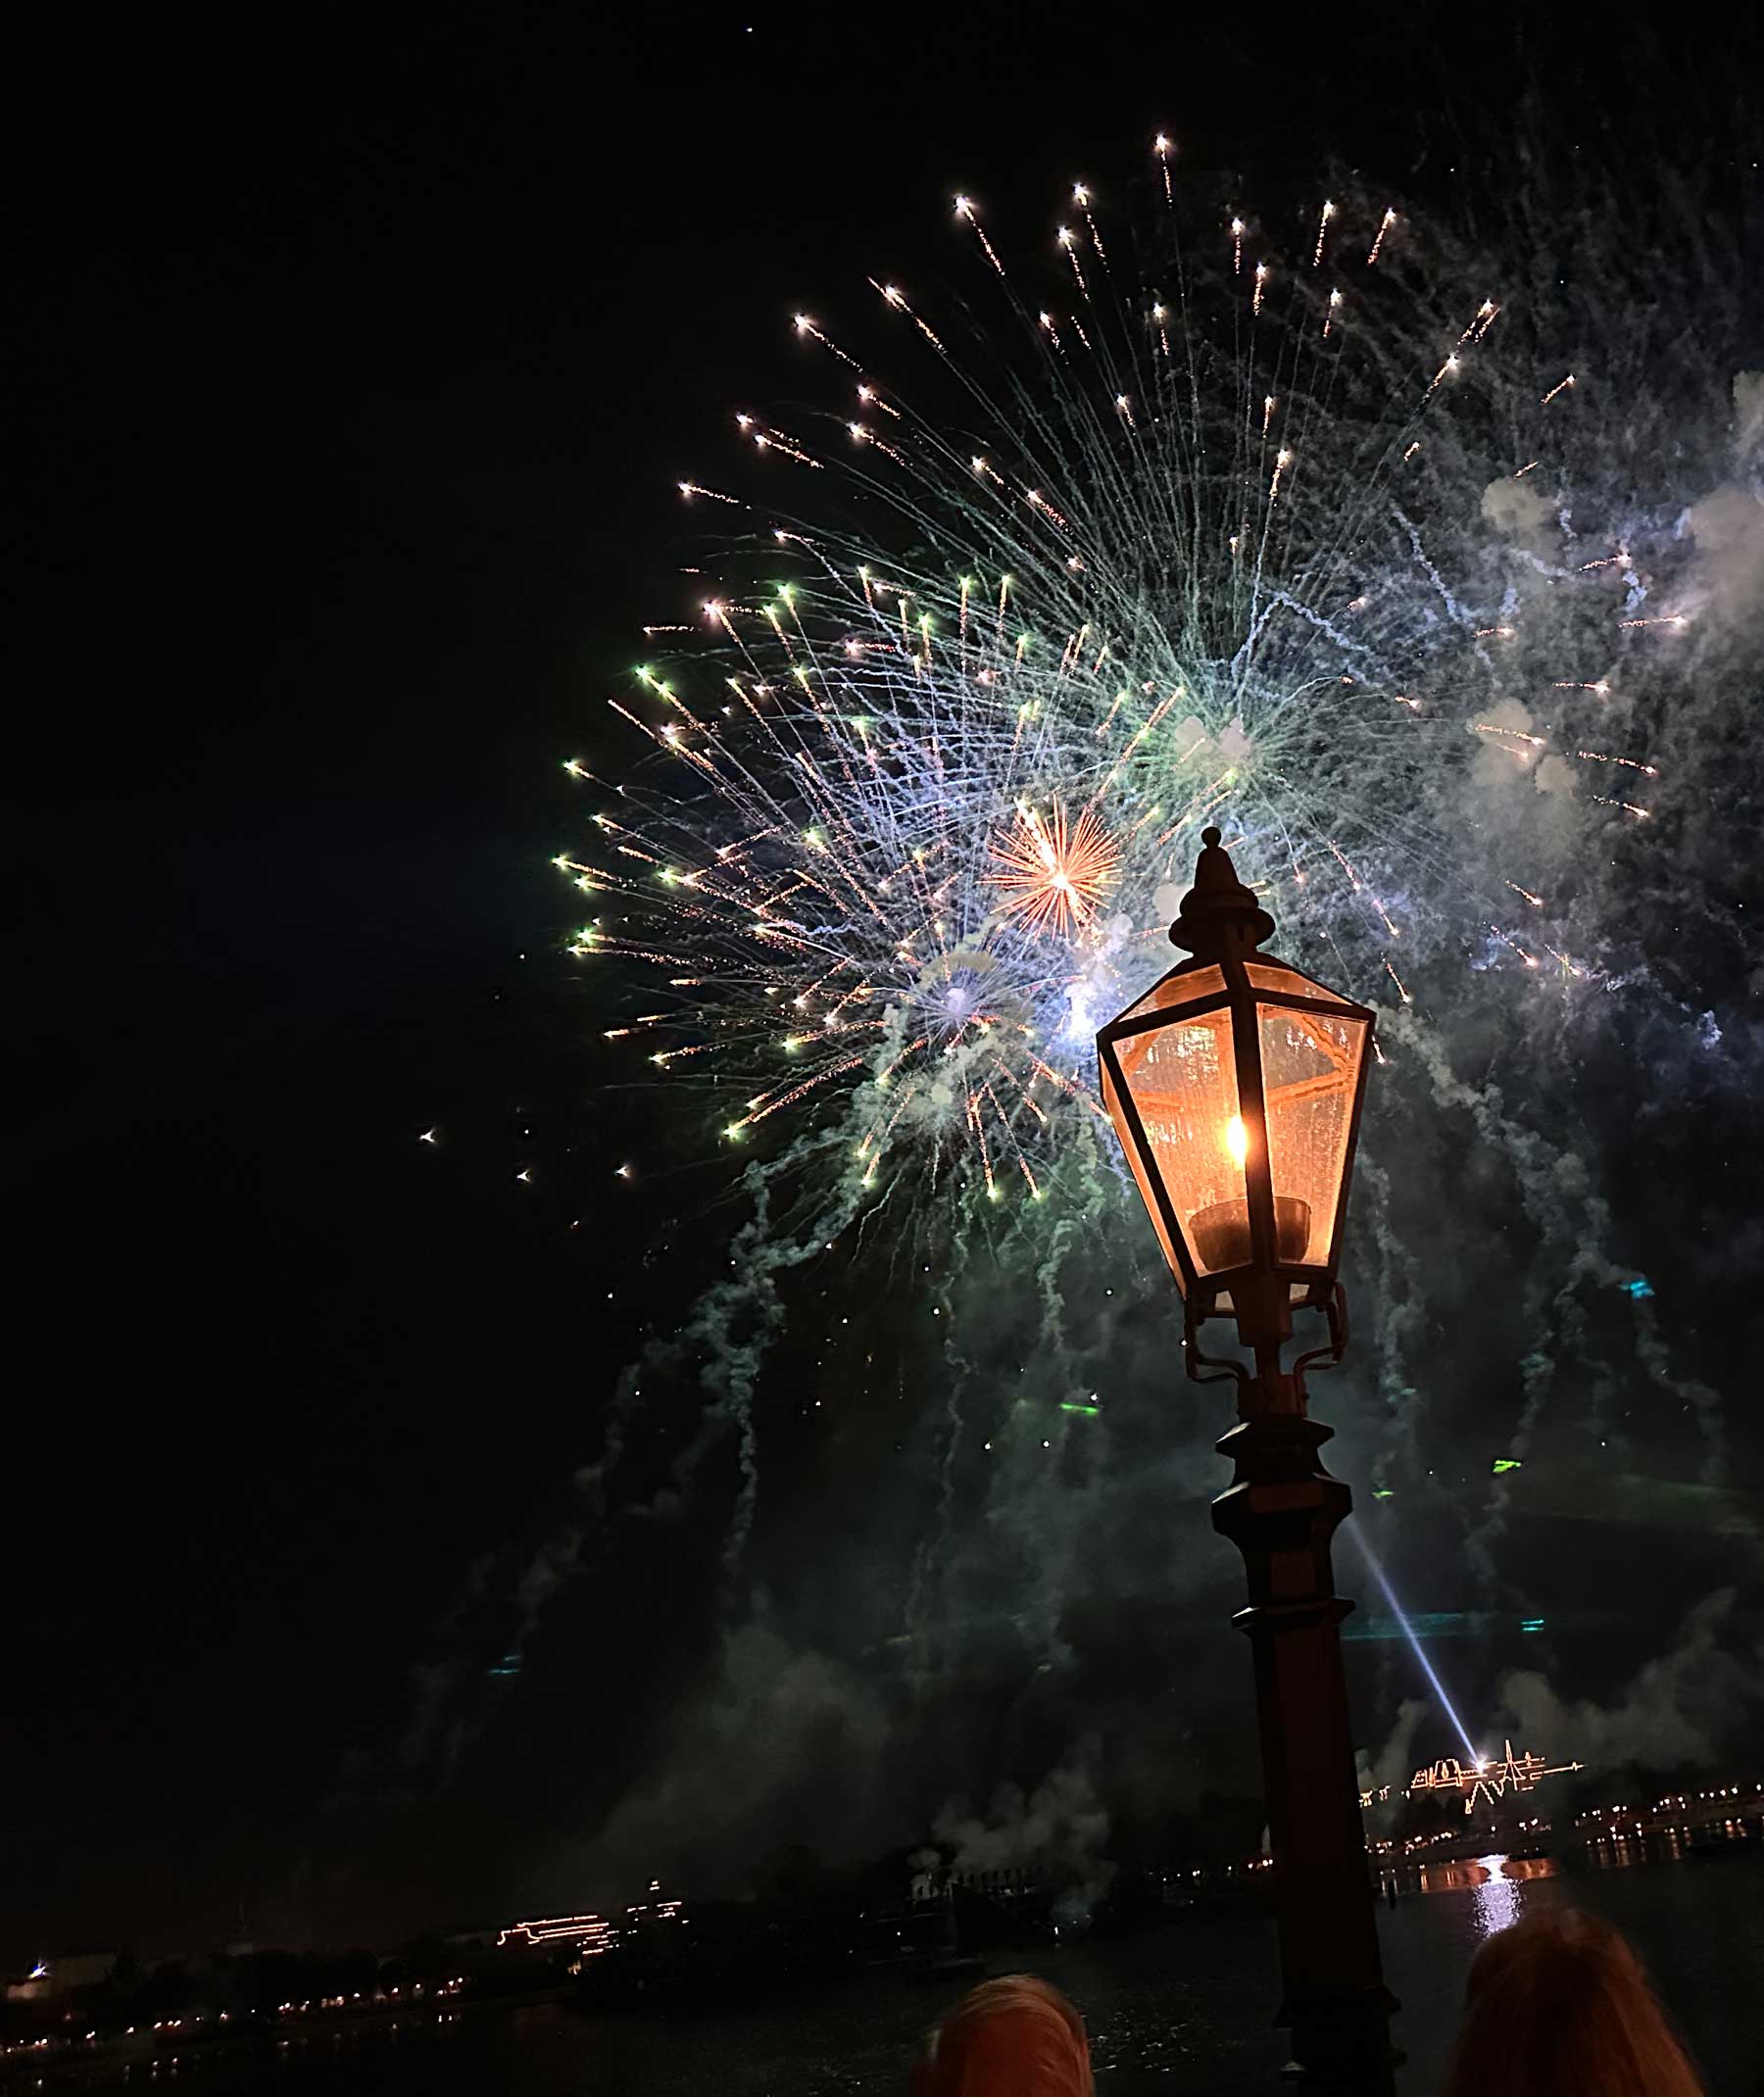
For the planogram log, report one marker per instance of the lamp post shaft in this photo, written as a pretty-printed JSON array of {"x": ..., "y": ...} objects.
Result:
[
  {"x": 1237, "y": 1055},
  {"x": 1281, "y": 1510}
]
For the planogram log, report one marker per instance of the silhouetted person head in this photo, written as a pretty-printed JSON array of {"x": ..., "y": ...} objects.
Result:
[
  {"x": 1558, "y": 2006},
  {"x": 1015, "y": 2038}
]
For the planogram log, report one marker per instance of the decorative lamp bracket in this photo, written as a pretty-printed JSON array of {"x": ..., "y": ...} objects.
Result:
[
  {"x": 1205, "y": 1368},
  {"x": 1327, "y": 1357}
]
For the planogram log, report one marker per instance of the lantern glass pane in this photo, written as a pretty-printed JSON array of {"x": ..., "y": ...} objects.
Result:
[
  {"x": 1179, "y": 987},
  {"x": 1111, "y": 1100},
  {"x": 1182, "y": 1080},
  {"x": 1311, "y": 1072},
  {"x": 1277, "y": 977}
]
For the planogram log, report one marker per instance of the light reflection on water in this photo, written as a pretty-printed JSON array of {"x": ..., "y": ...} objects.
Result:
[
  {"x": 1492, "y": 1883},
  {"x": 1497, "y": 1898},
  {"x": 1496, "y": 1901}
]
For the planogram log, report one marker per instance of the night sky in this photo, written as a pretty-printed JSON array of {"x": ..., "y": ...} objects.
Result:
[{"x": 351, "y": 368}]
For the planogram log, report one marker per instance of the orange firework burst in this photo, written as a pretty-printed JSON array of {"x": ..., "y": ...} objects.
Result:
[{"x": 1055, "y": 876}]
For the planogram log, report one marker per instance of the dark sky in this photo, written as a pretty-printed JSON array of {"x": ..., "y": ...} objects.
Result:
[{"x": 351, "y": 363}]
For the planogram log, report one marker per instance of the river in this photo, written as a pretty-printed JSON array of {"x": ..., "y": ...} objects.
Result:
[{"x": 1183, "y": 2009}]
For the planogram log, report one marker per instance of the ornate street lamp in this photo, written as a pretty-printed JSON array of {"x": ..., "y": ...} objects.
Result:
[{"x": 1235, "y": 1084}]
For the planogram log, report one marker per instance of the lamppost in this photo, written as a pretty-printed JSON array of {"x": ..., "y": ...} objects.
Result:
[{"x": 1235, "y": 1084}]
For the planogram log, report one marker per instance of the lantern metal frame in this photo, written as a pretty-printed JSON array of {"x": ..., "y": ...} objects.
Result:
[{"x": 1223, "y": 926}]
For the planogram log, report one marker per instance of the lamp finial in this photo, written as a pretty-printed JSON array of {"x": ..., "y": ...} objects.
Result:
[{"x": 1218, "y": 912}]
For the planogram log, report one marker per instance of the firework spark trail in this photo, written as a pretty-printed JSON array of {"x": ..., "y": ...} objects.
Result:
[
  {"x": 1102, "y": 592},
  {"x": 916, "y": 706},
  {"x": 1378, "y": 239}
]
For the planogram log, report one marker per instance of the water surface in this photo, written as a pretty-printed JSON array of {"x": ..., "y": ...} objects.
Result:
[{"x": 1182, "y": 2008}]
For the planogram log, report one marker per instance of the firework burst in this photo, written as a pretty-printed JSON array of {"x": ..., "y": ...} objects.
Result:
[
  {"x": 1231, "y": 537},
  {"x": 1054, "y": 874}
]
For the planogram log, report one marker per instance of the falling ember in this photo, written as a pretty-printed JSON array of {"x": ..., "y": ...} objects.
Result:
[
  {"x": 1161, "y": 147},
  {"x": 1068, "y": 241},
  {"x": 806, "y": 327},
  {"x": 964, "y": 209},
  {"x": 1261, "y": 282},
  {"x": 1560, "y": 386},
  {"x": 1329, "y": 318},
  {"x": 1530, "y": 959},
  {"x": 1081, "y": 198},
  {"x": 1384, "y": 226},
  {"x": 1329, "y": 212},
  {"x": 895, "y": 298},
  {"x": 1237, "y": 247},
  {"x": 1055, "y": 874},
  {"x": 1634, "y": 765}
]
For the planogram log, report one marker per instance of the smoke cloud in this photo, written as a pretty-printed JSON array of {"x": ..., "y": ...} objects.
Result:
[
  {"x": 1054, "y": 1836},
  {"x": 1692, "y": 1704},
  {"x": 781, "y": 1747}
]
